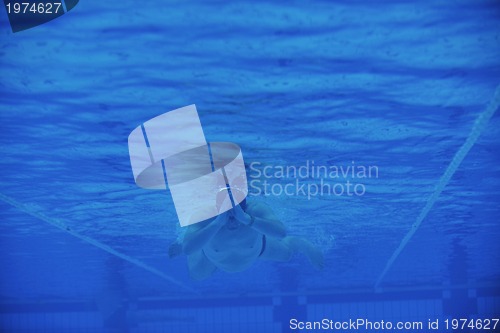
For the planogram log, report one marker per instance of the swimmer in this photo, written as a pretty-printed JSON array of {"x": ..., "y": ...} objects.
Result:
[{"x": 235, "y": 239}]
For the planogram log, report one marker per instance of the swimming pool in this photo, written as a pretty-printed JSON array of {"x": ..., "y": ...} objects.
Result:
[{"x": 398, "y": 86}]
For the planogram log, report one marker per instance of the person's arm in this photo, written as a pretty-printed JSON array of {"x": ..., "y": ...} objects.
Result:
[
  {"x": 271, "y": 228},
  {"x": 198, "y": 236},
  {"x": 263, "y": 223}
]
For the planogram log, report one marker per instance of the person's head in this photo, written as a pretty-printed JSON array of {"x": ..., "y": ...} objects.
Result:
[{"x": 221, "y": 196}]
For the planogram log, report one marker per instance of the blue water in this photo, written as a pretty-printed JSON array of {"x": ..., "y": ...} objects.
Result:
[{"x": 396, "y": 84}]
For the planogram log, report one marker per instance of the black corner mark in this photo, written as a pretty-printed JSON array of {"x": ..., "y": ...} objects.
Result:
[
  {"x": 70, "y": 4},
  {"x": 26, "y": 14}
]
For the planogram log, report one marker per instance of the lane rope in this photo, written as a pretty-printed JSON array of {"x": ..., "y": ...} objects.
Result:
[
  {"x": 58, "y": 224},
  {"x": 477, "y": 129}
]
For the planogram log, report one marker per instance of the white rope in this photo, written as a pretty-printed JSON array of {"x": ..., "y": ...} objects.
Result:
[
  {"x": 477, "y": 129},
  {"x": 56, "y": 223}
]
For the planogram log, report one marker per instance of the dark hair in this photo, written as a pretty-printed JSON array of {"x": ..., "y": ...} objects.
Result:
[{"x": 243, "y": 204}]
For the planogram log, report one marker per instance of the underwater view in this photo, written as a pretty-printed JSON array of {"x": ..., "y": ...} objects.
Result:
[{"x": 369, "y": 138}]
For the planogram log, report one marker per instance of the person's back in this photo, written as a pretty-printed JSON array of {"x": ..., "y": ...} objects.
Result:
[
  {"x": 235, "y": 246},
  {"x": 235, "y": 239}
]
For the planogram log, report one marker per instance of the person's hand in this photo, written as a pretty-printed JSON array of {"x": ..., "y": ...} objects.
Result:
[
  {"x": 174, "y": 250},
  {"x": 241, "y": 216}
]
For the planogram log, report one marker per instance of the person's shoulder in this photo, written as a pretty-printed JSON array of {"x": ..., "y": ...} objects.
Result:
[
  {"x": 258, "y": 207},
  {"x": 256, "y": 204}
]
